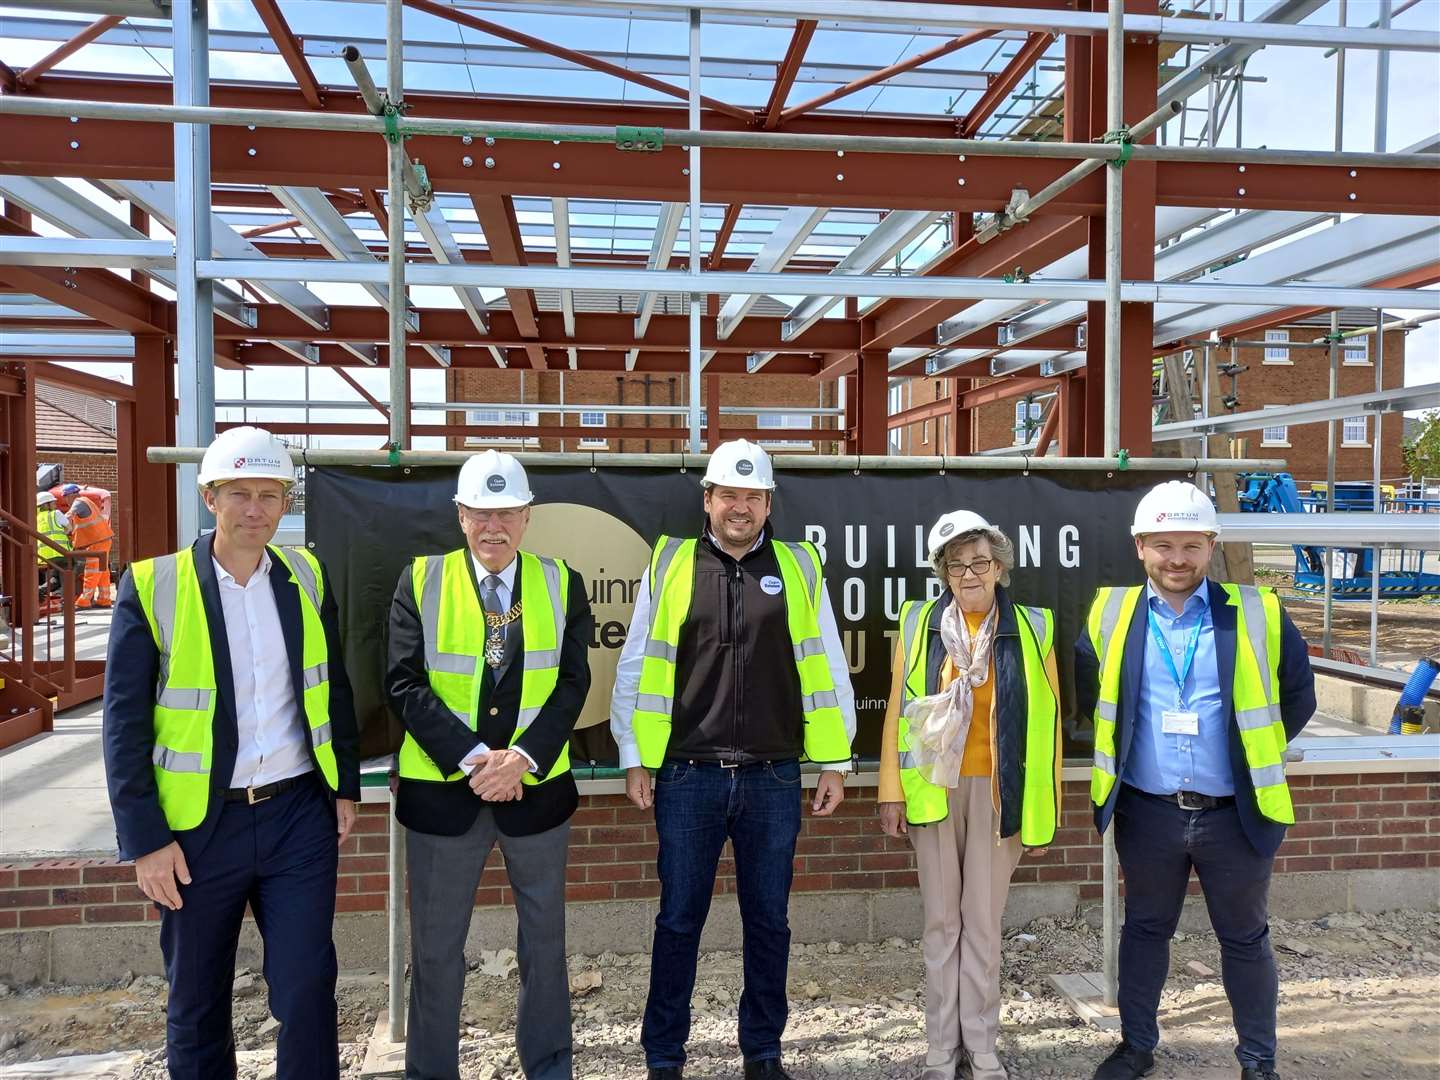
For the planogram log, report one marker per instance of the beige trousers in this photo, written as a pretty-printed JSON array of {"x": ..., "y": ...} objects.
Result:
[{"x": 964, "y": 879}]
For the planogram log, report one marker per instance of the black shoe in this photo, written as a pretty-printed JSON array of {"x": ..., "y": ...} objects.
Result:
[
  {"x": 1126, "y": 1063},
  {"x": 665, "y": 1072},
  {"x": 1259, "y": 1074},
  {"x": 768, "y": 1069}
]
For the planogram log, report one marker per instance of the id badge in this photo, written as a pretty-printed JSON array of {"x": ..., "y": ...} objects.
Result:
[{"x": 1180, "y": 722}]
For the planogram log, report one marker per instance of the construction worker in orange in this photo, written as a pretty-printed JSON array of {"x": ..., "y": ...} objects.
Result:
[{"x": 91, "y": 535}]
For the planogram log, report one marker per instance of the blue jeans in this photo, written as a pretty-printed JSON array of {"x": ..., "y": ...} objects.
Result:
[
  {"x": 698, "y": 805},
  {"x": 1158, "y": 843}
]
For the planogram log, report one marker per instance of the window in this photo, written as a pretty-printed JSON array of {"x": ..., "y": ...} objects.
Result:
[
  {"x": 939, "y": 389},
  {"x": 1277, "y": 354},
  {"x": 1357, "y": 351},
  {"x": 1355, "y": 431},
  {"x": 780, "y": 421},
  {"x": 924, "y": 431},
  {"x": 895, "y": 435},
  {"x": 503, "y": 417},
  {"x": 592, "y": 419},
  {"x": 1027, "y": 420},
  {"x": 1277, "y": 435}
]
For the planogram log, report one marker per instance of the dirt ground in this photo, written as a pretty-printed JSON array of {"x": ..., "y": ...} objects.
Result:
[
  {"x": 1357, "y": 1000},
  {"x": 1405, "y": 629}
]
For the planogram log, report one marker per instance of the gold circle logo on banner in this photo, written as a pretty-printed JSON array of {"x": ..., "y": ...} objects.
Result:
[{"x": 612, "y": 558}]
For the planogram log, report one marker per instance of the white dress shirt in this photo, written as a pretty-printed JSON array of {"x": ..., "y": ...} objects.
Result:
[
  {"x": 632, "y": 659},
  {"x": 505, "y": 592},
  {"x": 272, "y": 732}
]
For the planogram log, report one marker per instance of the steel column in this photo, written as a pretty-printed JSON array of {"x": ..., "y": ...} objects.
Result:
[
  {"x": 149, "y": 488},
  {"x": 195, "y": 298},
  {"x": 874, "y": 403}
]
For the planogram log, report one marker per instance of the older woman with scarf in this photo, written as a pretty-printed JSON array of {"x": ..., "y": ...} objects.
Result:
[{"x": 970, "y": 770}]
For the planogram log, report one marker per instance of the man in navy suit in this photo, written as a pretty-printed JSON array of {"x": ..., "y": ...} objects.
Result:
[
  {"x": 232, "y": 759},
  {"x": 1195, "y": 688}
]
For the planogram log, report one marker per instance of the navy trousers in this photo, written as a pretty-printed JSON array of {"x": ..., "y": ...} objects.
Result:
[
  {"x": 697, "y": 807},
  {"x": 1158, "y": 843},
  {"x": 280, "y": 856}
]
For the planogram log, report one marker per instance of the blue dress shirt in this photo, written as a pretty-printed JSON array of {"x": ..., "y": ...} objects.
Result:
[{"x": 1164, "y": 763}]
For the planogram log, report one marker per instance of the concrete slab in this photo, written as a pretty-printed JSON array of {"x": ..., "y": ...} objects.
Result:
[
  {"x": 81, "y": 955},
  {"x": 1395, "y": 889},
  {"x": 1309, "y": 896},
  {"x": 896, "y": 913},
  {"x": 620, "y": 926},
  {"x": 833, "y": 916},
  {"x": 1027, "y": 903},
  {"x": 25, "y": 957}
]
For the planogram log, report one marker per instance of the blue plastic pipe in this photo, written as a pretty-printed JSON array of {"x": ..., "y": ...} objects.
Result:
[{"x": 1412, "y": 697}]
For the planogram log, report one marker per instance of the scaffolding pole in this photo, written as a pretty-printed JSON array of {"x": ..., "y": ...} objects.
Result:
[
  {"x": 693, "y": 118},
  {"x": 194, "y": 295},
  {"x": 1115, "y": 121},
  {"x": 395, "y": 262}
]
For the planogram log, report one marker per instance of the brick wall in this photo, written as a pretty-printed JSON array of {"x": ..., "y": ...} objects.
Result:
[
  {"x": 511, "y": 386},
  {"x": 1344, "y": 822},
  {"x": 97, "y": 469}
]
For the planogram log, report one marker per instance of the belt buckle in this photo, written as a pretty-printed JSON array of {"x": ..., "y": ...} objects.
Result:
[
  {"x": 1180, "y": 801},
  {"x": 250, "y": 796}
]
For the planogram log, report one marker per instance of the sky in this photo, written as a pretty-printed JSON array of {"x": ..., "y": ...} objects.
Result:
[{"x": 1289, "y": 102}]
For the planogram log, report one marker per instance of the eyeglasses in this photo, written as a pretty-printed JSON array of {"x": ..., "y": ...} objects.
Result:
[
  {"x": 505, "y": 518},
  {"x": 980, "y": 567}
]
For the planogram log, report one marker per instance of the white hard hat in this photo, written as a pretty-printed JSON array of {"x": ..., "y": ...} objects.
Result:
[
  {"x": 740, "y": 464},
  {"x": 246, "y": 453},
  {"x": 1175, "y": 506},
  {"x": 493, "y": 481},
  {"x": 43, "y": 497},
  {"x": 953, "y": 525}
]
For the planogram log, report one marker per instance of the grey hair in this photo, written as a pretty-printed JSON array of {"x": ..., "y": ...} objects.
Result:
[{"x": 1001, "y": 550}]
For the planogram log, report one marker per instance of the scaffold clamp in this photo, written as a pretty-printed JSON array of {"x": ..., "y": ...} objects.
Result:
[
  {"x": 1127, "y": 145},
  {"x": 647, "y": 139}
]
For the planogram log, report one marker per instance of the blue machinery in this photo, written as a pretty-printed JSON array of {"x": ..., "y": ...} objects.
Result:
[{"x": 1402, "y": 570}]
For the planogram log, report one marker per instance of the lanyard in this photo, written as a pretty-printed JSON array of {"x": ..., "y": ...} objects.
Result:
[{"x": 1178, "y": 674}]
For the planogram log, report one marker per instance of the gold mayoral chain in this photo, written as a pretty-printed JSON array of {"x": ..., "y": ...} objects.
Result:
[{"x": 494, "y": 642}]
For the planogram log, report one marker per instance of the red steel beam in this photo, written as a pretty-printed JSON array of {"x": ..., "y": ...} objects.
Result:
[
  {"x": 41, "y": 146},
  {"x": 291, "y": 50},
  {"x": 375, "y": 403},
  {"x": 32, "y": 73},
  {"x": 96, "y": 385},
  {"x": 1042, "y": 240},
  {"x": 910, "y": 64},
  {"x": 444, "y": 11},
  {"x": 915, "y": 415},
  {"x": 593, "y": 330},
  {"x": 1002, "y": 390},
  {"x": 9, "y": 81},
  {"x": 722, "y": 238},
  {"x": 496, "y": 214},
  {"x": 788, "y": 69},
  {"x": 266, "y": 230},
  {"x": 1049, "y": 427},
  {"x": 1006, "y": 81},
  {"x": 376, "y": 206}
]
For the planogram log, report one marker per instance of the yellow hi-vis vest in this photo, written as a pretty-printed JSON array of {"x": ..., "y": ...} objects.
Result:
[
  {"x": 184, "y": 714},
  {"x": 1040, "y": 804},
  {"x": 452, "y": 622},
  {"x": 46, "y": 525},
  {"x": 1256, "y": 692},
  {"x": 672, "y": 585}
]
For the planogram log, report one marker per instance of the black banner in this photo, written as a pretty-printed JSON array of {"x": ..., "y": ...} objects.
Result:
[{"x": 1071, "y": 532}]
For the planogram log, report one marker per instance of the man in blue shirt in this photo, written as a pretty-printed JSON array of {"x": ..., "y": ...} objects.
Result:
[{"x": 1192, "y": 709}]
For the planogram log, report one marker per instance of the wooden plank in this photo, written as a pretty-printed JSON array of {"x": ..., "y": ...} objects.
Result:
[
  {"x": 383, "y": 1058},
  {"x": 1085, "y": 994}
]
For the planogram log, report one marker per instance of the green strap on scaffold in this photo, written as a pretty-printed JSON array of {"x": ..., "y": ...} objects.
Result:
[
  {"x": 392, "y": 124},
  {"x": 1127, "y": 146},
  {"x": 394, "y": 456},
  {"x": 1122, "y": 458}
]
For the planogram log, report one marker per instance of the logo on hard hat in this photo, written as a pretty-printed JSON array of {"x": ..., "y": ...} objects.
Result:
[
  {"x": 947, "y": 528},
  {"x": 1179, "y": 515},
  {"x": 239, "y": 463},
  {"x": 744, "y": 468},
  {"x": 496, "y": 482}
]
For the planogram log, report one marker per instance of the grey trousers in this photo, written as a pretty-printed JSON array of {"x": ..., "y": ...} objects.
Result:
[{"x": 444, "y": 873}]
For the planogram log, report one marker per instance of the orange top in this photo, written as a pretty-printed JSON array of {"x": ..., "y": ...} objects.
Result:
[{"x": 976, "y": 761}]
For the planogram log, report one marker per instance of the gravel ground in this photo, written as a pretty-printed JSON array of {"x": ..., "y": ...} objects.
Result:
[{"x": 1357, "y": 1001}]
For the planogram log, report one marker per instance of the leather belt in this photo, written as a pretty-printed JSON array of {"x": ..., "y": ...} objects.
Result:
[
  {"x": 1193, "y": 800},
  {"x": 253, "y": 794}
]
